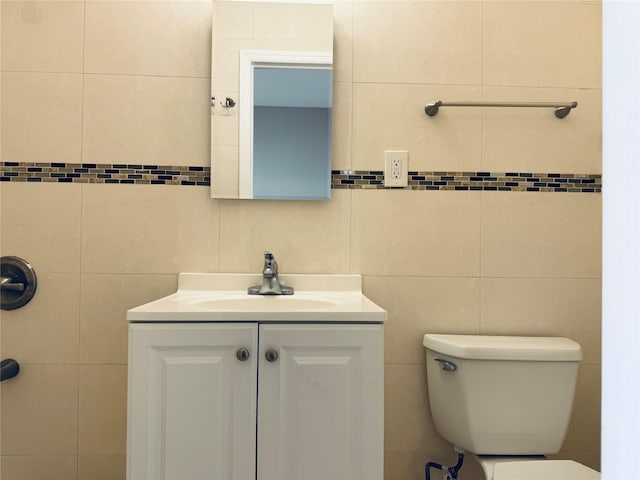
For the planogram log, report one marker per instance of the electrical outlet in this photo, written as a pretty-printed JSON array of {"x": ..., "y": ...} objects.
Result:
[{"x": 396, "y": 166}]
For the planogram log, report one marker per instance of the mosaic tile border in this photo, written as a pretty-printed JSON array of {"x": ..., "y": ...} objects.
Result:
[
  {"x": 340, "y": 179},
  {"x": 104, "y": 173},
  {"x": 474, "y": 181}
]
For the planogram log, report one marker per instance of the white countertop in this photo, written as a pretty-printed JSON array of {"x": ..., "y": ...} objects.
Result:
[{"x": 222, "y": 297}]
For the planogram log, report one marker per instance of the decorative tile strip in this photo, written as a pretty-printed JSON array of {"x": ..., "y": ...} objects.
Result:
[
  {"x": 340, "y": 179},
  {"x": 474, "y": 181},
  {"x": 104, "y": 173}
]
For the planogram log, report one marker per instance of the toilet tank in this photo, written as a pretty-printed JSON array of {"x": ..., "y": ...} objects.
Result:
[{"x": 501, "y": 395}]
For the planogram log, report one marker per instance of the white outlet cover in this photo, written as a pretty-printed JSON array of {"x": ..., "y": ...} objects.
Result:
[{"x": 396, "y": 175}]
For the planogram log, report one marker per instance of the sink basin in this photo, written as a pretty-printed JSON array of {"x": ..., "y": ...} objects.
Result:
[
  {"x": 235, "y": 303},
  {"x": 223, "y": 297}
]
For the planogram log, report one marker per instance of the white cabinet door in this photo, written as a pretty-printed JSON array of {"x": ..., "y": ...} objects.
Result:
[
  {"x": 320, "y": 404},
  {"x": 192, "y": 402}
]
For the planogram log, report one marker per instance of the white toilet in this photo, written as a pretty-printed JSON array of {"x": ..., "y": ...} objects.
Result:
[{"x": 507, "y": 400}]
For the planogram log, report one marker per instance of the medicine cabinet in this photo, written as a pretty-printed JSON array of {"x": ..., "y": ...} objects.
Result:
[{"x": 271, "y": 100}]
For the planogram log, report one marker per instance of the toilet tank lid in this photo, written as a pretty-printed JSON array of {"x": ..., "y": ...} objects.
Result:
[
  {"x": 544, "y": 470},
  {"x": 492, "y": 347}
]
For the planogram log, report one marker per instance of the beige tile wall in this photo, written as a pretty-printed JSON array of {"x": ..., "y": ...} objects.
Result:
[{"x": 127, "y": 82}]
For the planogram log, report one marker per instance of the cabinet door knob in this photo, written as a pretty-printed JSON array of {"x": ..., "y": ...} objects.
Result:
[
  {"x": 242, "y": 354},
  {"x": 271, "y": 355}
]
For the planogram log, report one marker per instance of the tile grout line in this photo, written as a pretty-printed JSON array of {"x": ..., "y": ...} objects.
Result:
[
  {"x": 351, "y": 134},
  {"x": 482, "y": 161},
  {"x": 82, "y": 192}
]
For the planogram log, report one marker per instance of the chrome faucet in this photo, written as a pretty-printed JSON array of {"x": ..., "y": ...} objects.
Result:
[{"x": 270, "y": 281}]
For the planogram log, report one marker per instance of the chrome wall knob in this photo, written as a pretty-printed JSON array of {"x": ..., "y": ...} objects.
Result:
[
  {"x": 18, "y": 282},
  {"x": 271, "y": 355},
  {"x": 9, "y": 368},
  {"x": 242, "y": 354}
]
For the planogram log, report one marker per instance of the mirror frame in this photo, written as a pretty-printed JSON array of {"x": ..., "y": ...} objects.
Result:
[{"x": 249, "y": 59}]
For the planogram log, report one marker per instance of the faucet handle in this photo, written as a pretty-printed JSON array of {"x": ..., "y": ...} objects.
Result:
[{"x": 270, "y": 269}]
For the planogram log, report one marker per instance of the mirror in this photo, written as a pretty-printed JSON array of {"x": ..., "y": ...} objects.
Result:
[
  {"x": 285, "y": 125},
  {"x": 271, "y": 85}
]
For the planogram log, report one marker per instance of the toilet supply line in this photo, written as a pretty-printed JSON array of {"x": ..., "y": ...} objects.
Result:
[{"x": 449, "y": 473}]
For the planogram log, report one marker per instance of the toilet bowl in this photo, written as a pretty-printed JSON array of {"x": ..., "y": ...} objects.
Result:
[{"x": 507, "y": 400}]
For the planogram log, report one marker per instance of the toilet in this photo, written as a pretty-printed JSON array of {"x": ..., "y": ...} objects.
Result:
[{"x": 507, "y": 400}]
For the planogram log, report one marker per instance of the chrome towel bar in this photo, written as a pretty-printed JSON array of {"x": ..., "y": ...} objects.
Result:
[{"x": 561, "y": 110}]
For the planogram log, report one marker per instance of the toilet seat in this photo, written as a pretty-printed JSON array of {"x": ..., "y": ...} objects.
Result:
[{"x": 543, "y": 470}]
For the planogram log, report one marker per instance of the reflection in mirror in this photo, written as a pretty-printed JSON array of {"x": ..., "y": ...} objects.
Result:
[
  {"x": 285, "y": 139},
  {"x": 292, "y": 133},
  {"x": 273, "y": 139}
]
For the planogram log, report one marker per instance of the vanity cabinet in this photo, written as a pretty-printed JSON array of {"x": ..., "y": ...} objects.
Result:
[{"x": 305, "y": 404}]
